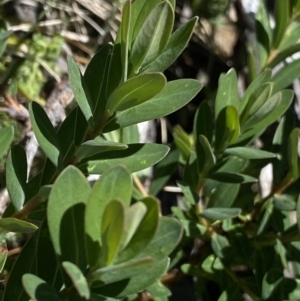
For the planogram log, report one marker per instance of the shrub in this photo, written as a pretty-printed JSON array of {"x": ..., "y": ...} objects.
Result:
[{"x": 97, "y": 241}]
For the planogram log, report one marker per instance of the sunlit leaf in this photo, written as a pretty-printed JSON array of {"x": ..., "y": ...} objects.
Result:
[
  {"x": 80, "y": 89},
  {"x": 135, "y": 91},
  {"x": 38, "y": 289},
  {"x": 65, "y": 215},
  {"x": 152, "y": 37},
  {"x": 136, "y": 157},
  {"x": 78, "y": 279},
  {"x": 103, "y": 191},
  {"x": 172, "y": 97}
]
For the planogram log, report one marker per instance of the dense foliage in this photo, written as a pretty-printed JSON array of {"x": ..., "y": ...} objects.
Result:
[{"x": 104, "y": 239}]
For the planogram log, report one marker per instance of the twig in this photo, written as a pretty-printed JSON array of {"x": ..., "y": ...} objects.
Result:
[{"x": 139, "y": 185}]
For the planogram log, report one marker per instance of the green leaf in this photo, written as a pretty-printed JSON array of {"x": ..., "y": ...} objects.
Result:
[
  {"x": 256, "y": 101},
  {"x": 80, "y": 89},
  {"x": 135, "y": 91},
  {"x": 220, "y": 245},
  {"x": 112, "y": 228},
  {"x": 262, "y": 16},
  {"x": 23, "y": 264},
  {"x": 263, "y": 44},
  {"x": 227, "y": 94},
  {"x": 254, "y": 67},
  {"x": 282, "y": 17},
  {"x": 249, "y": 153},
  {"x": 298, "y": 213},
  {"x": 231, "y": 177},
  {"x": 97, "y": 146},
  {"x": 176, "y": 44},
  {"x": 158, "y": 290},
  {"x": 12, "y": 224},
  {"x": 203, "y": 122},
  {"x": 191, "y": 176},
  {"x": 182, "y": 141},
  {"x": 139, "y": 13},
  {"x": 172, "y": 97},
  {"x": 293, "y": 157},
  {"x": 285, "y": 76},
  {"x": 282, "y": 252},
  {"x": 81, "y": 128},
  {"x": 152, "y": 37},
  {"x": 118, "y": 272},
  {"x": 136, "y": 283},
  {"x": 66, "y": 135},
  {"x": 269, "y": 113},
  {"x": 125, "y": 30},
  {"x": 227, "y": 128},
  {"x": 205, "y": 155},
  {"x": 144, "y": 233},
  {"x": 222, "y": 194},
  {"x": 95, "y": 76},
  {"x": 271, "y": 282},
  {"x": 165, "y": 240},
  {"x": 220, "y": 213},
  {"x": 136, "y": 157},
  {"x": 133, "y": 218},
  {"x": 163, "y": 171},
  {"x": 284, "y": 202},
  {"x": 65, "y": 215},
  {"x": 6, "y": 138},
  {"x": 38, "y": 289},
  {"x": 45, "y": 134},
  {"x": 78, "y": 279},
  {"x": 49, "y": 270},
  {"x": 3, "y": 254},
  {"x": 44, "y": 192},
  {"x": 103, "y": 191},
  {"x": 191, "y": 198},
  {"x": 16, "y": 176},
  {"x": 263, "y": 78},
  {"x": 269, "y": 208},
  {"x": 284, "y": 54}
]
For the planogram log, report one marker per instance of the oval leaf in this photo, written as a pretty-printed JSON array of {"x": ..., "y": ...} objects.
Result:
[
  {"x": 78, "y": 279},
  {"x": 137, "y": 157},
  {"x": 220, "y": 213},
  {"x": 227, "y": 94},
  {"x": 231, "y": 177},
  {"x": 249, "y": 153},
  {"x": 38, "y": 289},
  {"x": 80, "y": 89},
  {"x": 12, "y": 224},
  {"x": 93, "y": 147},
  {"x": 95, "y": 77},
  {"x": 153, "y": 36},
  {"x": 104, "y": 190},
  {"x": 177, "y": 43},
  {"x": 144, "y": 232},
  {"x": 172, "y": 97},
  {"x": 65, "y": 215},
  {"x": 135, "y": 91},
  {"x": 112, "y": 228}
]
